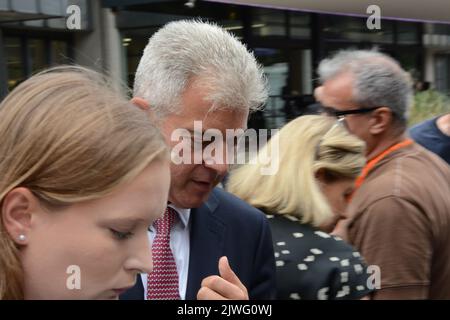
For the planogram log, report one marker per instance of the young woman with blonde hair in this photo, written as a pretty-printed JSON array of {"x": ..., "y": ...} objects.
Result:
[
  {"x": 82, "y": 176},
  {"x": 318, "y": 163}
]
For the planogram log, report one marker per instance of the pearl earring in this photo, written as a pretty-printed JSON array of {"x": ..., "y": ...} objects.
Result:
[{"x": 22, "y": 237}]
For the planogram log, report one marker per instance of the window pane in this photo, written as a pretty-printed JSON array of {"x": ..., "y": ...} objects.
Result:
[
  {"x": 36, "y": 49},
  {"x": 300, "y": 25},
  {"x": 233, "y": 26},
  {"x": 276, "y": 69},
  {"x": 355, "y": 30},
  {"x": 268, "y": 22},
  {"x": 134, "y": 42},
  {"x": 30, "y": 6},
  {"x": 407, "y": 33},
  {"x": 34, "y": 23},
  {"x": 59, "y": 52},
  {"x": 409, "y": 60},
  {"x": 4, "y": 5},
  {"x": 442, "y": 71},
  {"x": 13, "y": 52},
  {"x": 441, "y": 28}
]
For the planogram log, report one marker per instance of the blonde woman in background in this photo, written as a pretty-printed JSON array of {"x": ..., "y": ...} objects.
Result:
[
  {"x": 318, "y": 163},
  {"x": 82, "y": 176}
]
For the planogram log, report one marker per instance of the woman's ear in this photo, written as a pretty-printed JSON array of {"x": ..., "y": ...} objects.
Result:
[
  {"x": 17, "y": 210},
  {"x": 320, "y": 177},
  {"x": 320, "y": 174}
]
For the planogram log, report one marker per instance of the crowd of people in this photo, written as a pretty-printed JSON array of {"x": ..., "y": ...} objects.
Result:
[{"x": 88, "y": 183}]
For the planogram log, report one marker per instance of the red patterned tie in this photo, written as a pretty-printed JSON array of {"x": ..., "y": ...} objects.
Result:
[{"x": 162, "y": 283}]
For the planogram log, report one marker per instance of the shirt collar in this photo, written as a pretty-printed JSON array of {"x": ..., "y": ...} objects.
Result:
[{"x": 183, "y": 213}]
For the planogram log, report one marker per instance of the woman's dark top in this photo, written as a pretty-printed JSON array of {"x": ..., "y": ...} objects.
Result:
[{"x": 312, "y": 264}]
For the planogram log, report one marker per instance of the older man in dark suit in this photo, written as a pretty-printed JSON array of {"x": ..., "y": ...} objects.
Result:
[{"x": 196, "y": 78}]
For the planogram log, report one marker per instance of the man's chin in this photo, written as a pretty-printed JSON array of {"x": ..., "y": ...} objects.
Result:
[
  {"x": 197, "y": 201},
  {"x": 192, "y": 200}
]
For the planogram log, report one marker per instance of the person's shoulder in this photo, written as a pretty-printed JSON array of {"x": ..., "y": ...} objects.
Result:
[
  {"x": 286, "y": 227},
  {"x": 235, "y": 207},
  {"x": 408, "y": 173},
  {"x": 425, "y": 157},
  {"x": 228, "y": 199},
  {"x": 287, "y": 224},
  {"x": 426, "y": 132},
  {"x": 420, "y": 127},
  {"x": 328, "y": 243},
  {"x": 418, "y": 165},
  {"x": 335, "y": 244}
]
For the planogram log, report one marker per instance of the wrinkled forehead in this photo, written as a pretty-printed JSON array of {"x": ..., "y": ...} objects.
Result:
[{"x": 210, "y": 114}]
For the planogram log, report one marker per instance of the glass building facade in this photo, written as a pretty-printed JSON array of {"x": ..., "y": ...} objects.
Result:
[
  {"x": 289, "y": 44},
  {"x": 34, "y": 36}
]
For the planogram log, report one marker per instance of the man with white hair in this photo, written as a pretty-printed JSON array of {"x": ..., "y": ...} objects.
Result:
[
  {"x": 399, "y": 214},
  {"x": 210, "y": 245}
]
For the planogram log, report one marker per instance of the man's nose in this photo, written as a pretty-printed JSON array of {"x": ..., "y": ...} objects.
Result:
[{"x": 220, "y": 167}]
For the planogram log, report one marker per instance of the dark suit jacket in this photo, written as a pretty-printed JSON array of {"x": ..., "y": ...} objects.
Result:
[{"x": 227, "y": 226}]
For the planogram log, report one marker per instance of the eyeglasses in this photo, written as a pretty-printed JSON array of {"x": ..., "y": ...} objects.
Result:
[
  {"x": 339, "y": 122},
  {"x": 340, "y": 113}
]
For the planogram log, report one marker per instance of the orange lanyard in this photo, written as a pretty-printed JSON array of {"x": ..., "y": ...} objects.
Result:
[{"x": 372, "y": 163}]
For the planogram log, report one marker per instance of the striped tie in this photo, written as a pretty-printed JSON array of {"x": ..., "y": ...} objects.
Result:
[{"x": 162, "y": 283}]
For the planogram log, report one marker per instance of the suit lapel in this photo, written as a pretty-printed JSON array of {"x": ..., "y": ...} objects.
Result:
[{"x": 206, "y": 244}]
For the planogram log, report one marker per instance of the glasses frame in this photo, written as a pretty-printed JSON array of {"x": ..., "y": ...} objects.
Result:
[
  {"x": 339, "y": 122},
  {"x": 338, "y": 113}
]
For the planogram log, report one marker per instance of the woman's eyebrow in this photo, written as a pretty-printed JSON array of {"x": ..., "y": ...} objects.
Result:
[{"x": 126, "y": 221}]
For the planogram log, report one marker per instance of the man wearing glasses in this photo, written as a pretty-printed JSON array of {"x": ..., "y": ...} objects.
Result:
[{"x": 399, "y": 215}]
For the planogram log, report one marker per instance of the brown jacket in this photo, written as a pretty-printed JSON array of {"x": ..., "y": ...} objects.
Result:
[{"x": 401, "y": 223}]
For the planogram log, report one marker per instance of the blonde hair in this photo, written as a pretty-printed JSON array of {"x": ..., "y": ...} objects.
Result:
[
  {"x": 306, "y": 145},
  {"x": 68, "y": 137}
]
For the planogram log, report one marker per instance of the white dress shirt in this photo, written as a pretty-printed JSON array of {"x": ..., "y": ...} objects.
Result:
[{"x": 180, "y": 245}]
